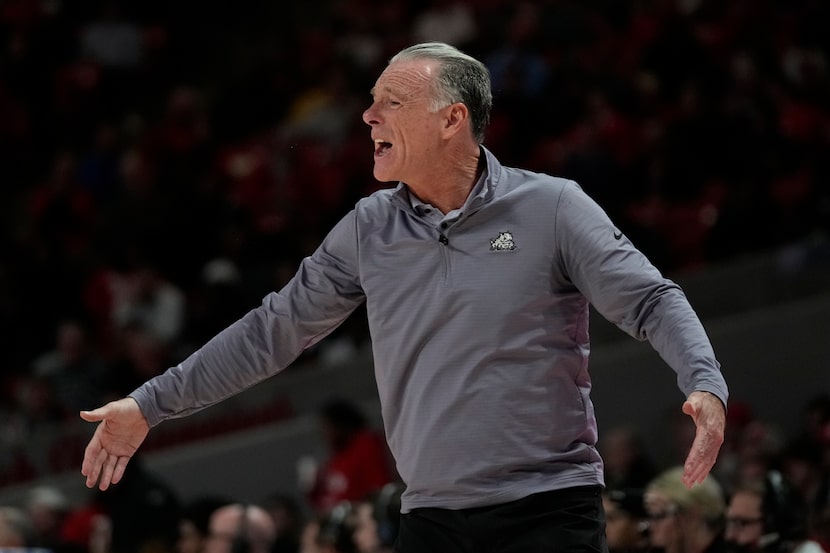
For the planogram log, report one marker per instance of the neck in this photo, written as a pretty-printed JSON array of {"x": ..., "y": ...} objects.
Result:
[{"x": 448, "y": 185}]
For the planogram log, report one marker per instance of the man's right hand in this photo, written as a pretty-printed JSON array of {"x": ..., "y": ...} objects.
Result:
[{"x": 121, "y": 430}]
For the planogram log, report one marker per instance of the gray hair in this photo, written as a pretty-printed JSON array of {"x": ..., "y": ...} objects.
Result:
[
  {"x": 707, "y": 498},
  {"x": 461, "y": 78},
  {"x": 16, "y": 525}
]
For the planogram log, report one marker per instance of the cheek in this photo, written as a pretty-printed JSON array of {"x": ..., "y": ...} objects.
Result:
[
  {"x": 749, "y": 535},
  {"x": 660, "y": 533},
  {"x": 613, "y": 531}
]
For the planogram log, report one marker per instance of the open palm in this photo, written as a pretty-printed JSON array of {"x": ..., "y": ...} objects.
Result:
[
  {"x": 709, "y": 416},
  {"x": 121, "y": 430}
]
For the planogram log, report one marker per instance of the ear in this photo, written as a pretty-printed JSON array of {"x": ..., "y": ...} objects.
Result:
[{"x": 457, "y": 119}]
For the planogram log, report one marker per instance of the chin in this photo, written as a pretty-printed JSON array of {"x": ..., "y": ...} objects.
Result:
[{"x": 383, "y": 176}]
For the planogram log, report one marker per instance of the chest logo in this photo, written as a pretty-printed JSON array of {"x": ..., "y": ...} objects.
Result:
[{"x": 503, "y": 242}]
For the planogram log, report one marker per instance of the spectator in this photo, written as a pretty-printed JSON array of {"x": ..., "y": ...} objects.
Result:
[
  {"x": 72, "y": 370},
  {"x": 151, "y": 301},
  {"x": 48, "y": 509},
  {"x": 194, "y": 523},
  {"x": 768, "y": 515},
  {"x": 238, "y": 527},
  {"x": 802, "y": 466},
  {"x": 15, "y": 528},
  {"x": 685, "y": 520},
  {"x": 358, "y": 461},
  {"x": 626, "y": 520},
  {"x": 334, "y": 530},
  {"x": 376, "y": 520},
  {"x": 143, "y": 514},
  {"x": 309, "y": 534},
  {"x": 627, "y": 463},
  {"x": 286, "y": 513},
  {"x": 140, "y": 355}
]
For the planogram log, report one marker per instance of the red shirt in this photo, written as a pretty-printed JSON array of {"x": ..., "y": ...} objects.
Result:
[{"x": 351, "y": 473}]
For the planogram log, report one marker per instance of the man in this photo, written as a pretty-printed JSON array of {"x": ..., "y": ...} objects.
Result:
[
  {"x": 477, "y": 280},
  {"x": 194, "y": 523},
  {"x": 376, "y": 519},
  {"x": 768, "y": 515},
  {"x": 626, "y": 521},
  {"x": 358, "y": 462},
  {"x": 239, "y": 528},
  {"x": 682, "y": 519},
  {"x": 16, "y": 528}
]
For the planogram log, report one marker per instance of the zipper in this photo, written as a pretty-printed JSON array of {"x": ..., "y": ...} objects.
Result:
[{"x": 444, "y": 244}]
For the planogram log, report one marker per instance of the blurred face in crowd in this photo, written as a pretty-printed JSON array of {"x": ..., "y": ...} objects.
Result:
[
  {"x": 9, "y": 535},
  {"x": 365, "y": 536},
  {"x": 622, "y": 530},
  {"x": 406, "y": 131},
  {"x": 190, "y": 539},
  {"x": 309, "y": 542},
  {"x": 226, "y": 525},
  {"x": 663, "y": 521},
  {"x": 744, "y": 519}
]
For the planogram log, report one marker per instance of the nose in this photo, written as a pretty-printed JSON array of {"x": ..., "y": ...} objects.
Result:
[{"x": 370, "y": 116}]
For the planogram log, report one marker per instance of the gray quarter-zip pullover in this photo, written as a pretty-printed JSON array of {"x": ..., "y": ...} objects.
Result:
[{"x": 479, "y": 328}]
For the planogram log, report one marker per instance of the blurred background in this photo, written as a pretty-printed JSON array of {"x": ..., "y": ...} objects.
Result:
[{"x": 164, "y": 165}]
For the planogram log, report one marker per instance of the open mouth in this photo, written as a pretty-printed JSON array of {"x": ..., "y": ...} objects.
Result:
[{"x": 382, "y": 147}]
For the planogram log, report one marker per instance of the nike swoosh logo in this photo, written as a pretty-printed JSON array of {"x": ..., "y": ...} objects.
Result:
[{"x": 617, "y": 235}]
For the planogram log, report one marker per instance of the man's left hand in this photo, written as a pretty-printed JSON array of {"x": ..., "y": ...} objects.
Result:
[{"x": 709, "y": 416}]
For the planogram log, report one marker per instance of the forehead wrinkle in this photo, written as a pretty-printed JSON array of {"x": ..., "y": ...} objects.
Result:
[{"x": 405, "y": 77}]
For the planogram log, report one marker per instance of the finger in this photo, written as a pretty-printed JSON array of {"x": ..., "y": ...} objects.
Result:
[
  {"x": 700, "y": 461},
  {"x": 120, "y": 467},
  {"x": 106, "y": 475},
  {"x": 95, "y": 468},
  {"x": 695, "y": 474},
  {"x": 694, "y": 471},
  {"x": 90, "y": 453},
  {"x": 689, "y": 409},
  {"x": 93, "y": 416}
]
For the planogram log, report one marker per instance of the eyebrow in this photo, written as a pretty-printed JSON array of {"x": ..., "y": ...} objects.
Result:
[{"x": 374, "y": 90}]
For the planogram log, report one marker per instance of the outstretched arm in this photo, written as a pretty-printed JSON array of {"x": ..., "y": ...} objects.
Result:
[
  {"x": 630, "y": 292},
  {"x": 709, "y": 416},
  {"x": 121, "y": 430}
]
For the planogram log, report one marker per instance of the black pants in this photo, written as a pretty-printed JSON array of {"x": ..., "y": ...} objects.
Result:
[{"x": 561, "y": 521}]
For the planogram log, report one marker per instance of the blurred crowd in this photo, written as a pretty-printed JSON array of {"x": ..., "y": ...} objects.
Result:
[
  {"x": 768, "y": 493},
  {"x": 164, "y": 165},
  {"x": 346, "y": 501}
]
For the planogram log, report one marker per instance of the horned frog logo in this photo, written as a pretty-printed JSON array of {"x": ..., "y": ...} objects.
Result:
[{"x": 504, "y": 242}]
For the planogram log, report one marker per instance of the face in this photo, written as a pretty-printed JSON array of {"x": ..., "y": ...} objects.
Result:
[
  {"x": 218, "y": 543},
  {"x": 190, "y": 540},
  {"x": 405, "y": 133},
  {"x": 744, "y": 522},
  {"x": 622, "y": 530},
  {"x": 365, "y": 534},
  {"x": 308, "y": 538},
  {"x": 223, "y": 527},
  {"x": 662, "y": 521},
  {"x": 9, "y": 537}
]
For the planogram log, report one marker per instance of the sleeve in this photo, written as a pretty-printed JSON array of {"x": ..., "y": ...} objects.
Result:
[
  {"x": 625, "y": 288},
  {"x": 320, "y": 296}
]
